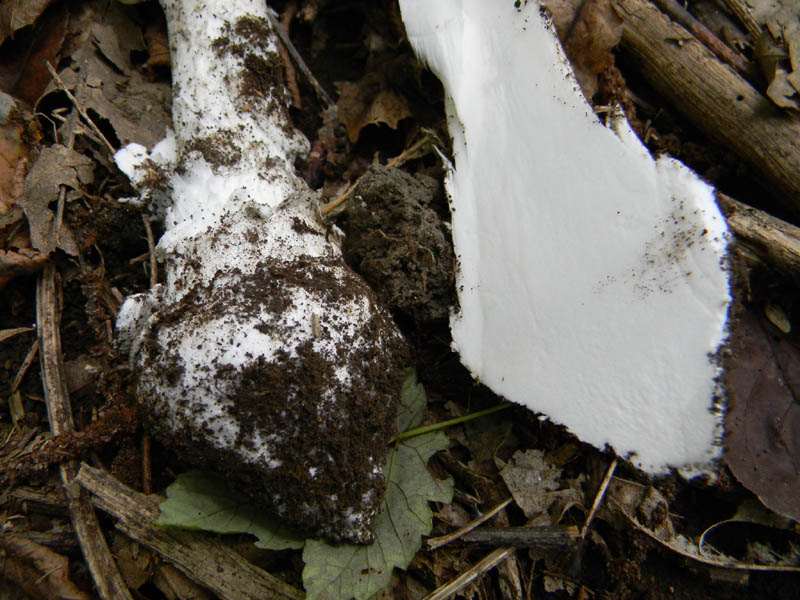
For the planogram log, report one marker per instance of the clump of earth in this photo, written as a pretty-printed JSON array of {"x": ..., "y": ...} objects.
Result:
[{"x": 399, "y": 244}]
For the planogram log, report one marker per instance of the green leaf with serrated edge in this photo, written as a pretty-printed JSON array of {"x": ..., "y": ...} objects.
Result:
[
  {"x": 200, "y": 500},
  {"x": 411, "y": 407},
  {"x": 350, "y": 571}
]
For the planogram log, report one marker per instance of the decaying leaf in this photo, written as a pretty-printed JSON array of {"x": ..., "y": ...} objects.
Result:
[
  {"x": 646, "y": 503},
  {"x": 13, "y": 153},
  {"x": 778, "y": 50},
  {"x": 588, "y": 31},
  {"x": 24, "y": 261},
  {"x": 368, "y": 102},
  {"x": 57, "y": 165},
  {"x": 749, "y": 513},
  {"x": 39, "y": 571},
  {"x": 763, "y": 420},
  {"x": 530, "y": 480},
  {"x": 16, "y": 14},
  {"x": 105, "y": 84},
  {"x": 16, "y": 256},
  {"x": 136, "y": 564},
  {"x": 23, "y": 64}
]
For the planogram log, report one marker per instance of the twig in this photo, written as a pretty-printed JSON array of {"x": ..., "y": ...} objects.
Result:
[
  {"x": 707, "y": 37},
  {"x": 449, "y": 423},
  {"x": 764, "y": 238},
  {"x": 23, "y": 368},
  {"x": 291, "y": 74},
  {"x": 557, "y": 536},
  {"x": 202, "y": 558},
  {"x": 151, "y": 246},
  {"x": 147, "y": 471},
  {"x": 454, "y": 586},
  {"x": 745, "y": 16},
  {"x": 327, "y": 209},
  {"x": 599, "y": 497},
  {"x": 62, "y": 196},
  {"x": 320, "y": 91},
  {"x": 98, "y": 558},
  {"x": 81, "y": 111},
  {"x": 434, "y": 543},
  {"x": 405, "y": 154}
]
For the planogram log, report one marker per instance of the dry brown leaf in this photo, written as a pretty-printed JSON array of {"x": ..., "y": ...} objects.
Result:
[
  {"x": 531, "y": 481},
  {"x": 157, "y": 46},
  {"x": 40, "y": 572},
  {"x": 13, "y": 153},
  {"x": 367, "y": 102},
  {"x": 763, "y": 419},
  {"x": 105, "y": 84},
  {"x": 777, "y": 50},
  {"x": 57, "y": 165},
  {"x": 16, "y": 14},
  {"x": 588, "y": 32},
  {"x": 24, "y": 261},
  {"x": 596, "y": 30},
  {"x": 136, "y": 564},
  {"x": 647, "y": 510},
  {"x": 23, "y": 64}
]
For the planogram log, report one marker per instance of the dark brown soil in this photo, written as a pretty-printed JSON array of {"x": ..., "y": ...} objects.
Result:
[{"x": 399, "y": 244}]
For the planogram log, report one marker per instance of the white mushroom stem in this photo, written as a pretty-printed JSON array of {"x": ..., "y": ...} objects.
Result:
[
  {"x": 233, "y": 144},
  {"x": 262, "y": 355},
  {"x": 592, "y": 280}
]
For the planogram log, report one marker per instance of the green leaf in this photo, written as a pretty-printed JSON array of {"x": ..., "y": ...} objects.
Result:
[
  {"x": 412, "y": 404},
  {"x": 200, "y": 500},
  {"x": 350, "y": 571}
]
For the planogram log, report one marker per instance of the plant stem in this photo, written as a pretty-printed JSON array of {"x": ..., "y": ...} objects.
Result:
[{"x": 444, "y": 424}]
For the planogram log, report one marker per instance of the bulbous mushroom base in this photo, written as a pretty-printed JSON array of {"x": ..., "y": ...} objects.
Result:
[{"x": 285, "y": 381}]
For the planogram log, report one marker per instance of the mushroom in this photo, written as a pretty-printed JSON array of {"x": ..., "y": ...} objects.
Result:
[
  {"x": 592, "y": 279},
  {"x": 262, "y": 355}
]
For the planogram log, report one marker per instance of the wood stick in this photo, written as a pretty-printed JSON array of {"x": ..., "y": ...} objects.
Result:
[
  {"x": 203, "y": 560},
  {"x": 290, "y": 73},
  {"x": 714, "y": 98},
  {"x": 105, "y": 574},
  {"x": 745, "y": 16},
  {"x": 434, "y": 543},
  {"x": 765, "y": 238},
  {"x": 452, "y": 587},
  {"x": 524, "y": 537},
  {"x": 23, "y": 368},
  {"x": 599, "y": 497},
  {"x": 322, "y": 95},
  {"x": 705, "y": 35}
]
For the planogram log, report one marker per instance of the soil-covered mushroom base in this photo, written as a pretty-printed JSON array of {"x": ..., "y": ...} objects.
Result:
[{"x": 297, "y": 406}]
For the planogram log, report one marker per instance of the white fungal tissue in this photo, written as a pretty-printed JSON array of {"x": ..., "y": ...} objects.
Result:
[{"x": 592, "y": 279}]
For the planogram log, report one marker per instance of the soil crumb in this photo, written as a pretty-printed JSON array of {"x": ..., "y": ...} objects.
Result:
[{"x": 398, "y": 243}]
